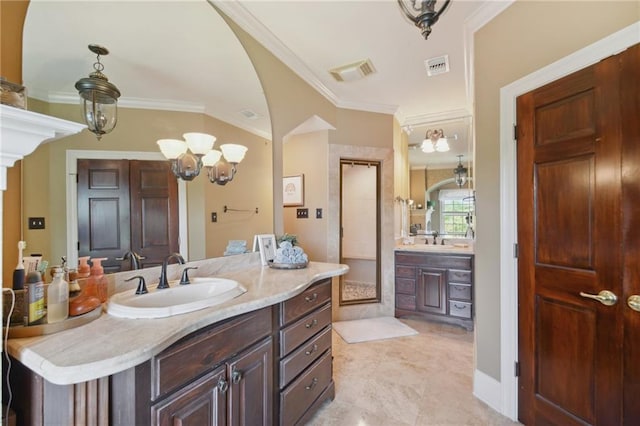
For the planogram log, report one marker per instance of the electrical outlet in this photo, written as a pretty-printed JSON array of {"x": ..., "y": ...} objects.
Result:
[
  {"x": 36, "y": 223},
  {"x": 302, "y": 213},
  {"x": 214, "y": 217},
  {"x": 318, "y": 213}
]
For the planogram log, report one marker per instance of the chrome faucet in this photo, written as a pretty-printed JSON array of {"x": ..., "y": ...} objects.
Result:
[
  {"x": 133, "y": 257},
  {"x": 163, "y": 283}
]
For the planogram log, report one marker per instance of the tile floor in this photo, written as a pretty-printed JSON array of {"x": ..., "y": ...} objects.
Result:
[{"x": 418, "y": 380}]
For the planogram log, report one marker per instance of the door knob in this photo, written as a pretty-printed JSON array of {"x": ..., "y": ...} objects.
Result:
[
  {"x": 605, "y": 297},
  {"x": 634, "y": 302}
]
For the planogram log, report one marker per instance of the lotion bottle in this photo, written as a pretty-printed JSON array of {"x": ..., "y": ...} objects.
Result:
[
  {"x": 97, "y": 283},
  {"x": 57, "y": 298}
]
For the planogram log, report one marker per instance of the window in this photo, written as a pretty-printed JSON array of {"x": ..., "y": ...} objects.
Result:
[{"x": 456, "y": 208}]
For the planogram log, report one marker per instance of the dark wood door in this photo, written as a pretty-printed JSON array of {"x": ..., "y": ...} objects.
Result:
[
  {"x": 154, "y": 211},
  {"x": 127, "y": 205},
  {"x": 431, "y": 290},
  {"x": 251, "y": 387},
  {"x": 201, "y": 403},
  {"x": 576, "y": 229},
  {"x": 104, "y": 210}
]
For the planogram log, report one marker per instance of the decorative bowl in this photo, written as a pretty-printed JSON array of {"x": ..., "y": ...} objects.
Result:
[{"x": 275, "y": 265}]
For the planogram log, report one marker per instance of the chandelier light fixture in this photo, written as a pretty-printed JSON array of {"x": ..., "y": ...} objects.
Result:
[
  {"x": 425, "y": 15},
  {"x": 434, "y": 141},
  {"x": 460, "y": 173},
  {"x": 99, "y": 97},
  {"x": 190, "y": 155}
]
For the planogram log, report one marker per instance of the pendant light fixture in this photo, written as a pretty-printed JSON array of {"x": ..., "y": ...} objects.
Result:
[
  {"x": 190, "y": 155},
  {"x": 460, "y": 173},
  {"x": 426, "y": 14},
  {"x": 99, "y": 97},
  {"x": 434, "y": 141}
]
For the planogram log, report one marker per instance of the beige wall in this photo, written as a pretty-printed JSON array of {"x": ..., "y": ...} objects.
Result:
[
  {"x": 138, "y": 130},
  {"x": 307, "y": 154},
  {"x": 524, "y": 38}
]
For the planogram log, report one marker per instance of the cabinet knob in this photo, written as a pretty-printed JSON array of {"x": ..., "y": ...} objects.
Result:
[
  {"x": 312, "y": 350},
  {"x": 311, "y": 298},
  {"x": 311, "y": 324},
  {"x": 236, "y": 376},
  {"x": 223, "y": 385},
  {"x": 313, "y": 384}
]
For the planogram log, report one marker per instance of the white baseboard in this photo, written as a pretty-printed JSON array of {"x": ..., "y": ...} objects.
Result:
[{"x": 488, "y": 390}]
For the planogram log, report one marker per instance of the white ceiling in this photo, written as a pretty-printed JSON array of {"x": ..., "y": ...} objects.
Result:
[{"x": 180, "y": 55}]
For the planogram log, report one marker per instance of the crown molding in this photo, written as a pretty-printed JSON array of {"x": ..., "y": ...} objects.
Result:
[
  {"x": 249, "y": 23},
  {"x": 437, "y": 117}
]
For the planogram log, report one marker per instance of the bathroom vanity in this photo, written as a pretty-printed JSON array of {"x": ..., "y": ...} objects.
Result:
[
  {"x": 435, "y": 283},
  {"x": 263, "y": 358}
]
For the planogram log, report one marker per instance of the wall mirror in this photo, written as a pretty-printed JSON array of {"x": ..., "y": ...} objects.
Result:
[
  {"x": 443, "y": 202},
  {"x": 185, "y": 94},
  {"x": 360, "y": 231}
]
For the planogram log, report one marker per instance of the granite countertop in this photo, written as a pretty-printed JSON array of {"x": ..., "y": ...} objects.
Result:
[
  {"x": 110, "y": 345},
  {"x": 457, "y": 248}
]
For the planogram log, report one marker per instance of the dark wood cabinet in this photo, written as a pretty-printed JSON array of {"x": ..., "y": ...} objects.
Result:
[
  {"x": 270, "y": 366},
  {"x": 435, "y": 286},
  {"x": 305, "y": 379}
]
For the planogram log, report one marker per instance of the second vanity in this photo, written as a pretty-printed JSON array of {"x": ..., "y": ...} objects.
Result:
[
  {"x": 435, "y": 283},
  {"x": 261, "y": 358}
]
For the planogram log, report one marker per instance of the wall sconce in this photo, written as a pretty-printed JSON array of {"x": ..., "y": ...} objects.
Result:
[
  {"x": 426, "y": 16},
  {"x": 99, "y": 97},
  {"x": 189, "y": 156},
  {"x": 434, "y": 141},
  {"x": 460, "y": 173}
]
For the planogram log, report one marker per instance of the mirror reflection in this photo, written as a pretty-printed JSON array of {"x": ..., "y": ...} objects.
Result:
[
  {"x": 442, "y": 200},
  {"x": 208, "y": 87}
]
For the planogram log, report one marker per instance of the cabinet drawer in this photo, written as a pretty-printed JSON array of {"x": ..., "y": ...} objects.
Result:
[
  {"x": 302, "y": 357},
  {"x": 459, "y": 309},
  {"x": 405, "y": 301},
  {"x": 450, "y": 261},
  {"x": 302, "y": 330},
  {"x": 460, "y": 291},
  {"x": 306, "y": 301},
  {"x": 405, "y": 285},
  {"x": 197, "y": 353},
  {"x": 459, "y": 276},
  {"x": 405, "y": 271},
  {"x": 296, "y": 399}
]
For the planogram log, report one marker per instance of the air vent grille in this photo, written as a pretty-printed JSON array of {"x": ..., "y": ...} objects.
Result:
[
  {"x": 247, "y": 113},
  {"x": 439, "y": 65},
  {"x": 355, "y": 71}
]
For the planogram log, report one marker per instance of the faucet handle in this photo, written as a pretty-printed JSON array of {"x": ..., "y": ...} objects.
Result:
[
  {"x": 142, "y": 286},
  {"x": 185, "y": 276}
]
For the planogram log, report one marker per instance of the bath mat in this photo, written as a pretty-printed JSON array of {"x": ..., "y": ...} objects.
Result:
[{"x": 365, "y": 330}]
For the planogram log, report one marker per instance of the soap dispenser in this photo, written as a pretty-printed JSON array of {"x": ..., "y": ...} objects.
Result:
[
  {"x": 97, "y": 282},
  {"x": 57, "y": 298},
  {"x": 83, "y": 267}
]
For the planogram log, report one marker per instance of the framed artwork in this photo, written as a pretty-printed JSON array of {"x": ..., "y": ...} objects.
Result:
[
  {"x": 293, "y": 191},
  {"x": 266, "y": 246}
]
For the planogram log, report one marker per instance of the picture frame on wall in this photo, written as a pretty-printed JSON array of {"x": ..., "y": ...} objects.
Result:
[
  {"x": 293, "y": 191},
  {"x": 267, "y": 246}
]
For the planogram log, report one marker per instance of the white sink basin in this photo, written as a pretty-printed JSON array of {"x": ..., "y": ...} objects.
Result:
[{"x": 178, "y": 299}]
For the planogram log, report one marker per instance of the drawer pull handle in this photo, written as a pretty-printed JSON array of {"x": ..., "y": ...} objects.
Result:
[
  {"x": 311, "y": 298},
  {"x": 223, "y": 385},
  {"x": 312, "y": 350},
  {"x": 313, "y": 384},
  {"x": 460, "y": 307},
  {"x": 236, "y": 376},
  {"x": 311, "y": 324}
]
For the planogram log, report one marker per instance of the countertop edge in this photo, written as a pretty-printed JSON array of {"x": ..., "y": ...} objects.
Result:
[{"x": 32, "y": 351}]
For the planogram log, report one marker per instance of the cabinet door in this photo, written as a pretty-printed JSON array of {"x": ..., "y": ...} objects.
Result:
[
  {"x": 251, "y": 387},
  {"x": 201, "y": 403},
  {"x": 431, "y": 291}
]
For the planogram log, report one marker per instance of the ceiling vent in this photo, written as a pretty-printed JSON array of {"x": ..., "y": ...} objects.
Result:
[
  {"x": 247, "y": 113},
  {"x": 352, "y": 72},
  {"x": 439, "y": 65}
]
